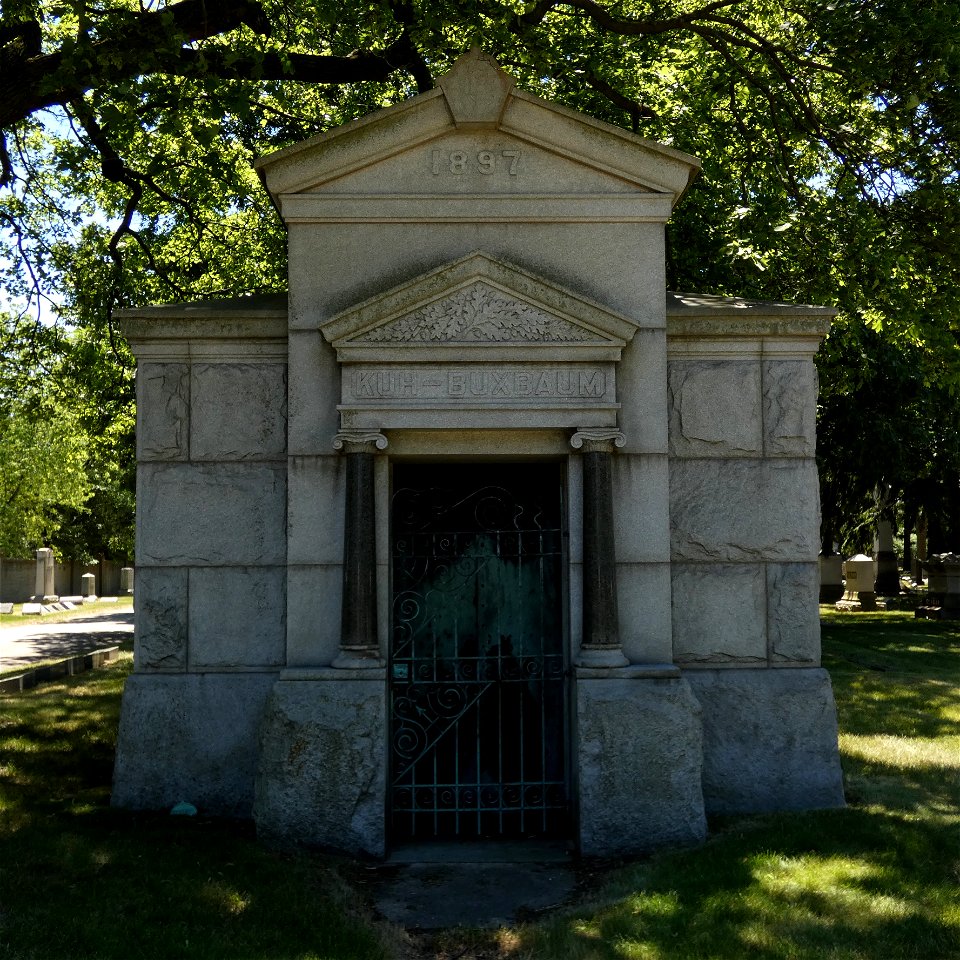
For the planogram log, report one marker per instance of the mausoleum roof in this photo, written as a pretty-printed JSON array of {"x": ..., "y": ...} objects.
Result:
[
  {"x": 678, "y": 304},
  {"x": 257, "y": 305},
  {"x": 476, "y": 95},
  {"x": 709, "y": 304}
]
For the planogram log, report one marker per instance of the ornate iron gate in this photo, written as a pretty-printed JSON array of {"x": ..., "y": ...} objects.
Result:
[{"x": 477, "y": 672}]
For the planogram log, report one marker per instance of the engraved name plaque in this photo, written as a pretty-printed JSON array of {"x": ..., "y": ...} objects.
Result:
[
  {"x": 478, "y": 383},
  {"x": 477, "y": 395}
]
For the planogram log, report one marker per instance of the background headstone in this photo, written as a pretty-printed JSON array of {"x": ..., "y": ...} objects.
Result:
[
  {"x": 943, "y": 587},
  {"x": 888, "y": 573},
  {"x": 88, "y": 588},
  {"x": 44, "y": 589},
  {"x": 831, "y": 578},
  {"x": 49, "y": 576},
  {"x": 860, "y": 594}
]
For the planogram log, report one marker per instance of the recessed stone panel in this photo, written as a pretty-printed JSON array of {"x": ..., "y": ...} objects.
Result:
[
  {"x": 719, "y": 613},
  {"x": 211, "y": 514},
  {"x": 715, "y": 408},
  {"x": 313, "y": 614},
  {"x": 160, "y": 619},
  {"x": 793, "y": 613},
  {"x": 641, "y": 375},
  {"x": 237, "y": 617},
  {"x": 163, "y": 402},
  {"x": 313, "y": 395},
  {"x": 739, "y": 509},
  {"x": 790, "y": 408},
  {"x": 238, "y": 411}
]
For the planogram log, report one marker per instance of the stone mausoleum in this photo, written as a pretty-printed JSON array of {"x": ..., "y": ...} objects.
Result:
[{"x": 477, "y": 533}]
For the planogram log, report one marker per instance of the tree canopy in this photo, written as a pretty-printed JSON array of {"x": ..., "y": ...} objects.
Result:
[
  {"x": 43, "y": 449},
  {"x": 829, "y": 132}
]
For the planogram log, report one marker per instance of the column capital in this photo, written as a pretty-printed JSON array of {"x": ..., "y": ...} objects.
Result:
[
  {"x": 360, "y": 441},
  {"x": 597, "y": 439}
]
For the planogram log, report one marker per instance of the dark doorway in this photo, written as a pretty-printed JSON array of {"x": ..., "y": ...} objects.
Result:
[{"x": 477, "y": 688}]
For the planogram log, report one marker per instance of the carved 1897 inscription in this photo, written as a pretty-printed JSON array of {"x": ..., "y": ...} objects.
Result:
[
  {"x": 460, "y": 162},
  {"x": 533, "y": 382}
]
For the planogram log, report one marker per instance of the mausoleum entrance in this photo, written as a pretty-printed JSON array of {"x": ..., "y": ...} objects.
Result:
[{"x": 477, "y": 668}]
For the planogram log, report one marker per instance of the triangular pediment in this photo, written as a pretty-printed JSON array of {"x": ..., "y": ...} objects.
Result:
[
  {"x": 476, "y": 99},
  {"x": 473, "y": 308}
]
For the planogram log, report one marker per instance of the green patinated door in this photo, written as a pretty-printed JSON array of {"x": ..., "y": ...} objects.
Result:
[{"x": 477, "y": 671}]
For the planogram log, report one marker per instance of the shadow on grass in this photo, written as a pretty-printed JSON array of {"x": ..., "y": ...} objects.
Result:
[
  {"x": 894, "y": 677},
  {"x": 78, "y": 880},
  {"x": 108, "y": 885},
  {"x": 852, "y": 884}
]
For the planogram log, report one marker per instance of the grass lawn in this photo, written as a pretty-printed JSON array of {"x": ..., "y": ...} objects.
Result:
[{"x": 876, "y": 881}]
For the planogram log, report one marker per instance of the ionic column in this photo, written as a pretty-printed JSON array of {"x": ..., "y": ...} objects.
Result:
[
  {"x": 600, "y": 646},
  {"x": 359, "y": 644}
]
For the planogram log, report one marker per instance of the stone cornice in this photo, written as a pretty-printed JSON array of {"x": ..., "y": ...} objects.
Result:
[
  {"x": 708, "y": 316},
  {"x": 243, "y": 328},
  {"x": 479, "y": 208}
]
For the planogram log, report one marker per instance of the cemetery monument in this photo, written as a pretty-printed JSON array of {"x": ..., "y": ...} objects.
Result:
[{"x": 477, "y": 533}]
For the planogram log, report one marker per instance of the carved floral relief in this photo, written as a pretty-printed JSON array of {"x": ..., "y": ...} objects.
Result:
[{"x": 478, "y": 312}]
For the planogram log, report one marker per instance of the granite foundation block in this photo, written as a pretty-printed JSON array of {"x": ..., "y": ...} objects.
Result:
[
  {"x": 160, "y": 619},
  {"x": 238, "y": 411},
  {"x": 638, "y": 765},
  {"x": 743, "y": 509},
  {"x": 190, "y": 737},
  {"x": 237, "y": 617},
  {"x": 211, "y": 514},
  {"x": 769, "y": 740},
  {"x": 323, "y": 765},
  {"x": 715, "y": 408},
  {"x": 719, "y": 613},
  {"x": 163, "y": 405}
]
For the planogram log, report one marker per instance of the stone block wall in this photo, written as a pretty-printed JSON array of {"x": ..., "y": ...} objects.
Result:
[
  {"x": 211, "y": 478},
  {"x": 744, "y": 496},
  {"x": 744, "y": 539},
  {"x": 211, "y": 548}
]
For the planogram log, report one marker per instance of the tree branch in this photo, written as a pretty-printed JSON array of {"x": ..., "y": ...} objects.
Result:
[
  {"x": 139, "y": 43},
  {"x": 636, "y": 110},
  {"x": 300, "y": 67},
  {"x": 625, "y": 28}
]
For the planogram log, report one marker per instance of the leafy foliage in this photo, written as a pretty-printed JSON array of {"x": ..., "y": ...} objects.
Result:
[
  {"x": 66, "y": 445},
  {"x": 43, "y": 455}
]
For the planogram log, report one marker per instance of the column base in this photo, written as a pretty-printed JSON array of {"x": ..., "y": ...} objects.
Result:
[
  {"x": 611, "y": 656},
  {"x": 359, "y": 658}
]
